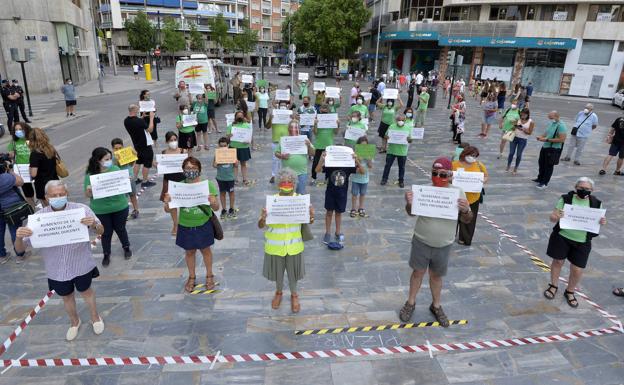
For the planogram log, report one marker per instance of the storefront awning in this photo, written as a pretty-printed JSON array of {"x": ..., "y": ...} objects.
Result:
[
  {"x": 507, "y": 42},
  {"x": 409, "y": 35}
]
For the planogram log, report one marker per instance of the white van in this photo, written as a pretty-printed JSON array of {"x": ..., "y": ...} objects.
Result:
[{"x": 198, "y": 69}]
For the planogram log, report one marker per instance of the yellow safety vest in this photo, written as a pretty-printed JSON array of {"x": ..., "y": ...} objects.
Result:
[{"x": 283, "y": 240}]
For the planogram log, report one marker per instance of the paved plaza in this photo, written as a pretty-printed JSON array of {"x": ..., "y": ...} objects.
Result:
[{"x": 494, "y": 284}]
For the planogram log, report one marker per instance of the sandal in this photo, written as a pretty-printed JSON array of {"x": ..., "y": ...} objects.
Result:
[
  {"x": 618, "y": 172},
  {"x": 406, "y": 312},
  {"x": 277, "y": 300},
  {"x": 247, "y": 182},
  {"x": 570, "y": 298},
  {"x": 190, "y": 284},
  {"x": 362, "y": 213},
  {"x": 602, "y": 172},
  {"x": 294, "y": 303},
  {"x": 619, "y": 291},
  {"x": 210, "y": 283},
  {"x": 440, "y": 316},
  {"x": 353, "y": 213},
  {"x": 548, "y": 293}
]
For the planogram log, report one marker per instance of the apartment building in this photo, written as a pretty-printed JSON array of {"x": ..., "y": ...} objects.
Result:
[{"x": 563, "y": 47}]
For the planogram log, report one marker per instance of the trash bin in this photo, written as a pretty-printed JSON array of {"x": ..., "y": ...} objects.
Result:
[{"x": 432, "y": 97}]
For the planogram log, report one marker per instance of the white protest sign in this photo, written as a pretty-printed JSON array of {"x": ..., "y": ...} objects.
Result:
[
  {"x": 229, "y": 119},
  {"x": 303, "y": 76},
  {"x": 417, "y": 133},
  {"x": 581, "y": 218},
  {"x": 241, "y": 134},
  {"x": 251, "y": 105},
  {"x": 288, "y": 209},
  {"x": 247, "y": 79},
  {"x": 365, "y": 122},
  {"x": 57, "y": 228},
  {"x": 435, "y": 202},
  {"x": 354, "y": 133},
  {"x": 327, "y": 120},
  {"x": 468, "y": 181},
  {"x": 196, "y": 88},
  {"x": 318, "y": 86},
  {"x": 282, "y": 95},
  {"x": 281, "y": 116},
  {"x": 148, "y": 138},
  {"x": 391, "y": 93},
  {"x": 189, "y": 120},
  {"x": 108, "y": 184},
  {"x": 339, "y": 156},
  {"x": 307, "y": 119},
  {"x": 188, "y": 194},
  {"x": 294, "y": 145},
  {"x": 170, "y": 163},
  {"x": 397, "y": 137},
  {"x": 332, "y": 92},
  {"x": 147, "y": 106},
  {"x": 23, "y": 170},
  {"x": 367, "y": 95}
]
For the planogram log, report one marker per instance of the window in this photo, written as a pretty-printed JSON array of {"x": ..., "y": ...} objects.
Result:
[
  {"x": 561, "y": 12},
  {"x": 462, "y": 13},
  {"x": 596, "y": 52},
  {"x": 531, "y": 12},
  {"x": 422, "y": 9},
  {"x": 277, "y": 36},
  {"x": 266, "y": 21},
  {"x": 255, "y": 20},
  {"x": 621, "y": 46},
  {"x": 266, "y": 33},
  {"x": 546, "y": 58},
  {"x": 255, "y": 6},
  {"x": 605, "y": 12},
  {"x": 508, "y": 12}
]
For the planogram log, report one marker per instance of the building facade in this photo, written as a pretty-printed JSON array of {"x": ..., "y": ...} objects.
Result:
[
  {"x": 59, "y": 37},
  {"x": 563, "y": 47}
]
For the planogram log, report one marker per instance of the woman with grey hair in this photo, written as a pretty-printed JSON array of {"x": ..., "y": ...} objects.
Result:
[
  {"x": 283, "y": 246},
  {"x": 573, "y": 245}
]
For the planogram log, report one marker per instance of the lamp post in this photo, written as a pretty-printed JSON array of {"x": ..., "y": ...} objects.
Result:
[
  {"x": 25, "y": 59},
  {"x": 158, "y": 46},
  {"x": 96, "y": 50},
  {"x": 378, "y": 36}
]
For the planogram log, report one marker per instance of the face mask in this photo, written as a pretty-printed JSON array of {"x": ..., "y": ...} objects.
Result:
[
  {"x": 107, "y": 163},
  {"x": 582, "y": 193},
  {"x": 354, "y": 120},
  {"x": 390, "y": 104},
  {"x": 360, "y": 101},
  {"x": 513, "y": 106},
  {"x": 192, "y": 174},
  {"x": 58, "y": 202},
  {"x": 470, "y": 159},
  {"x": 586, "y": 111},
  {"x": 262, "y": 90},
  {"x": 409, "y": 114},
  {"x": 400, "y": 123},
  {"x": 69, "y": 82},
  {"x": 173, "y": 144},
  {"x": 283, "y": 107},
  {"x": 19, "y": 134},
  {"x": 306, "y": 104},
  {"x": 286, "y": 187},
  {"x": 331, "y": 102},
  {"x": 185, "y": 112}
]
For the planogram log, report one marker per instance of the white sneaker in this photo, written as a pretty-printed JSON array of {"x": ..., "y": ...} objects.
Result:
[
  {"x": 72, "y": 332},
  {"x": 98, "y": 327}
]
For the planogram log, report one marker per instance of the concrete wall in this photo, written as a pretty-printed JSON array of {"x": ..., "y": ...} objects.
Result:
[{"x": 600, "y": 30}]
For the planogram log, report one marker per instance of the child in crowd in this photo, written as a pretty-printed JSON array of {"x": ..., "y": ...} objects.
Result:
[
  {"x": 359, "y": 185},
  {"x": 117, "y": 144},
  {"x": 225, "y": 180}
]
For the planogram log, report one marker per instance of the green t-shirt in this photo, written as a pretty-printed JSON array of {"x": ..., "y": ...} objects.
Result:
[
  {"x": 297, "y": 162},
  {"x": 184, "y": 129},
  {"x": 355, "y": 125},
  {"x": 362, "y": 108},
  {"x": 195, "y": 216},
  {"x": 225, "y": 172},
  {"x": 398, "y": 149},
  {"x": 202, "y": 112},
  {"x": 109, "y": 204},
  {"x": 21, "y": 149},
  {"x": 277, "y": 131},
  {"x": 510, "y": 118},
  {"x": 387, "y": 115},
  {"x": 424, "y": 101},
  {"x": 304, "y": 89},
  {"x": 574, "y": 235},
  {"x": 235, "y": 144},
  {"x": 554, "y": 127}
]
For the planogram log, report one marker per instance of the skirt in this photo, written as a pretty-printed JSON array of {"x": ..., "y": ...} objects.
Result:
[
  {"x": 274, "y": 265},
  {"x": 243, "y": 154},
  {"x": 194, "y": 238}
]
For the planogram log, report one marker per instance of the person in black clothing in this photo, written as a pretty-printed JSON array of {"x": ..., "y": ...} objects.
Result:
[
  {"x": 372, "y": 105},
  {"x": 20, "y": 100},
  {"x": 410, "y": 93},
  {"x": 42, "y": 162},
  {"x": 139, "y": 132},
  {"x": 616, "y": 139},
  {"x": 9, "y": 102}
]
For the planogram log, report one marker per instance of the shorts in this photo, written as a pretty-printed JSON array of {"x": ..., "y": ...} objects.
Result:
[
  {"x": 136, "y": 73},
  {"x": 80, "y": 283},
  {"x": 616, "y": 149},
  {"x": 211, "y": 114},
  {"x": 145, "y": 156},
  {"x": 70, "y": 103},
  {"x": 358, "y": 188},
  {"x": 201, "y": 127},
  {"x": 243, "y": 154},
  {"x": 423, "y": 257},
  {"x": 372, "y": 107},
  {"x": 383, "y": 129},
  {"x": 336, "y": 200},
  {"x": 489, "y": 119},
  {"x": 187, "y": 140},
  {"x": 225, "y": 186},
  {"x": 560, "y": 247}
]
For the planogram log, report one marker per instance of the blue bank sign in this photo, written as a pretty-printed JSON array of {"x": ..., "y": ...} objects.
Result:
[
  {"x": 410, "y": 35},
  {"x": 507, "y": 42}
]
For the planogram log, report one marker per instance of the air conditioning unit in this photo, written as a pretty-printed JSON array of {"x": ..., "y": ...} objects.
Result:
[{"x": 426, "y": 21}]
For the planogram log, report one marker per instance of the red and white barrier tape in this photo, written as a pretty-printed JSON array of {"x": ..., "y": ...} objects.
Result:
[
  {"x": 7, "y": 343},
  {"x": 334, "y": 353}
]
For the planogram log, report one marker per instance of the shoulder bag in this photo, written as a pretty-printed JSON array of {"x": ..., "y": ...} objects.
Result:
[
  {"x": 61, "y": 169},
  {"x": 216, "y": 225},
  {"x": 553, "y": 154},
  {"x": 575, "y": 129},
  {"x": 17, "y": 213}
]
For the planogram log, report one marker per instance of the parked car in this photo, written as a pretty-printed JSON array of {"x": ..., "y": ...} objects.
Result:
[
  {"x": 618, "y": 99},
  {"x": 320, "y": 72},
  {"x": 284, "y": 69}
]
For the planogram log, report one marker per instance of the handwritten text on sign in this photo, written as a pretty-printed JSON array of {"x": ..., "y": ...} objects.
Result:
[
  {"x": 288, "y": 209},
  {"x": 295, "y": 145},
  {"x": 170, "y": 163},
  {"x": 435, "y": 202},
  {"x": 469, "y": 181},
  {"x": 581, "y": 218},
  {"x": 327, "y": 120},
  {"x": 188, "y": 194},
  {"x": 339, "y": 156},
  {"x": 126, "y": 155},
  {"x": 58, "y": 228},
  {"x": 108, "y": 184}
]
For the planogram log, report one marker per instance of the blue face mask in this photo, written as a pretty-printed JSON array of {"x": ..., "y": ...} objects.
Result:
[
  {"x": 107, "y": 163},
  {"x": 19, "y": 134},
  {"x": 58, "y": 202}
]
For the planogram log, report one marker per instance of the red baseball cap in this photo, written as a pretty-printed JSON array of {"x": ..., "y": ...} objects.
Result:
[{"x": 442, "y": 163}]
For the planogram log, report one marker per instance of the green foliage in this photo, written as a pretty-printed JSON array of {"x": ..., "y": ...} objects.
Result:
[
  {"x": 219, "y": 31},
  {"x": 140, "y": 32},
  {"x": 247, "y": 40},
  {"x": 172, "y": 39},
  {"x": 197, "y": 40}
]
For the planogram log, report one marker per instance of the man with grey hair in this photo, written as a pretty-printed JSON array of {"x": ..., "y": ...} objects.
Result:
[
  {"x": 585, "y": 122},
  {"x": 550, "y": 153},
  {"x": 69, "y": 266},
  {"x": 142, "y": 141}
]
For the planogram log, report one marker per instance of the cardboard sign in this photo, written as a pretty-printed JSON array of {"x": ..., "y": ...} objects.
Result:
[
  {"x": 225, "y": 155},
  {"x": 332, "y": 92},
  {"x": 391, "y": 93},
  {"x": 435, "y": 202},
  {"x": 288, "y": 209},
  {"x": 147, "y": 106},
  {"x": 282, "y": 95},
  {"x": 58, "y": 228},
  {"x": 108, "y": 184},
  {"x": 125, "y": 155},
  {"x": 339, "y": 156},
  {"x": 170, "y": 163},
  {"x": 365, "y": 151}
]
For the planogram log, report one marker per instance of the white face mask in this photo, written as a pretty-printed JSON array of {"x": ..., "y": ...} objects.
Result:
[
  {"x": 185, "y": 112},
  {"x": 359, "y": 101},
  {"x": 400, "y": 123},
  {"x": 173, "y": 144},
  {"x": 331, "y": 102},
  {"x": 513, "y": 106},
  {"x": 586, "y": 111},
  {"x": 409, "y": 115},
  {"x": 283, "y": 107},
  {"x": 354, "y": 119},
  {"x": 470, "y": 159}
]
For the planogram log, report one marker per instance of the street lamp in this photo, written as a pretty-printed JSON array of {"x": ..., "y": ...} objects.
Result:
[
  {"x": 378, "y": 35},
  {"x": 27, "y": 56}
]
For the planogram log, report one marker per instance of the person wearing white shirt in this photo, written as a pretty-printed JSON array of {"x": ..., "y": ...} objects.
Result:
[
  {"x": 419, "y": 79},
  {"x": 585, "y": 122}
]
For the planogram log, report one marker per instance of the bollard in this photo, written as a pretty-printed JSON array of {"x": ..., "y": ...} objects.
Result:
[{"x": 148, "y": 71}]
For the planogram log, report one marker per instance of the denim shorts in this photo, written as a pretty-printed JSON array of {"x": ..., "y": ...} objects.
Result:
[{"x": 358, "y": 188}]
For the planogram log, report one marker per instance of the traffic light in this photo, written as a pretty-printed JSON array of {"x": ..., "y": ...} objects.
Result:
[{"x": 450, "y": 57}]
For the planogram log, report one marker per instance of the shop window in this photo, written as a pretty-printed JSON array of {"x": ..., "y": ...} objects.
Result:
[
  {"x": 545, "y": 58},
  {"x": 560, "y": 12},
  {"x": 596, "y": 52}
]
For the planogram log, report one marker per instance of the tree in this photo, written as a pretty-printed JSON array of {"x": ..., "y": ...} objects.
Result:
[
  {"x": 140, "y": 32},
  {"x": 219, "y": 31},
  {"x": 247, "y": 40},
  {"x": 173, "y": 40},
  {"x": 197, "y": 39}
]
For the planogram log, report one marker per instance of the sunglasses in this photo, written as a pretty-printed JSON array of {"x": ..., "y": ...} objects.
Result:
[{"x": 440, "y": 174}]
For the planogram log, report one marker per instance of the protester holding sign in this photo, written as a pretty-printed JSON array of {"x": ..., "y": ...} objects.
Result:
[
  {"x": 431, "y": 244},
  {"x": 196, "y": 230},
  {"x": 19, "y": 152},
  {"x": 117, "y": 145},
  {"x": 277, "y": 131},
  {"x": 262, "y": 106},
  {"x": 186, "y": 130},
  {"x": 112, "y": 211},
  {"x": 303, "y": 88},
  {"x": 296, "y": 162},
  {"x": 225, "y": 180},
  {"x": 210, "y": 96},
  {"x": 144, "y": 96},
  {"x": 172, "y": 149},
  {"x": 570, "y": 244},
  {"x": 388, "y": 112},
  {"x": 283, "y": 247},
  {"x": 359, "y": 184},
  {"x": 200, "y": 109},
  {"x": 306, "y": 108},
  {"x": 324, "y": 137},
  {"x": 334, "y": 104},
  {"x": 355, "y": 128},
  {"x": 398, "y": 137},
  {"x": 360, "y": 106},
  {"x": 9, "y": 198},
  {"x": 243, "y": 153},
  {"x": 468, "y": 163},
  {"x": 139, "y": 132},
  {"x": 70, "y": 266},
  {"x": 421, "y": 111}
]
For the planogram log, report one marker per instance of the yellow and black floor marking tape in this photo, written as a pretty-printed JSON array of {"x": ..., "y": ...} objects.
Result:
[
  {"x": 376, "y": 328},
  {"x": 541, "y": 264},
  {"x": 199, "y": 289}
]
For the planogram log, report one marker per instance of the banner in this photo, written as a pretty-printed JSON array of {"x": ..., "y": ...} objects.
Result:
[
  {"x": 365, "y": 151},
  {"x": 327, "y": 120},
  {"x": 339, "y": 156},
  {"x": 435, "y": 202},
  {"x": 240, "y": 134},
  {"x": 282, "y": 95},
  {"x": 581, "y": 218},
  {"x": 108, "y": 184},
  {"x": 294, "y": 145},
  {"x": 468, "y": 181},
  {"x": 125, "y": 155},
  {"x": 188, "y": 194},
  {"x": 170, "y": 163},
  {"x": 58, "y": 228},
  {"x": 332, "y": 92},
  {"x": 225, "y": 155},
  {"x": 147, "y": 106},
  {"x": 391, "y": 93},
  {"x": 196, "y": 88},
  {"x": 288, "y": 209},
  {"x": 343, "y": 66},
  {"x": 281, "y": 116},
  {"x": 354, "y": 133},
  {"x": 417, "y": 133}
]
